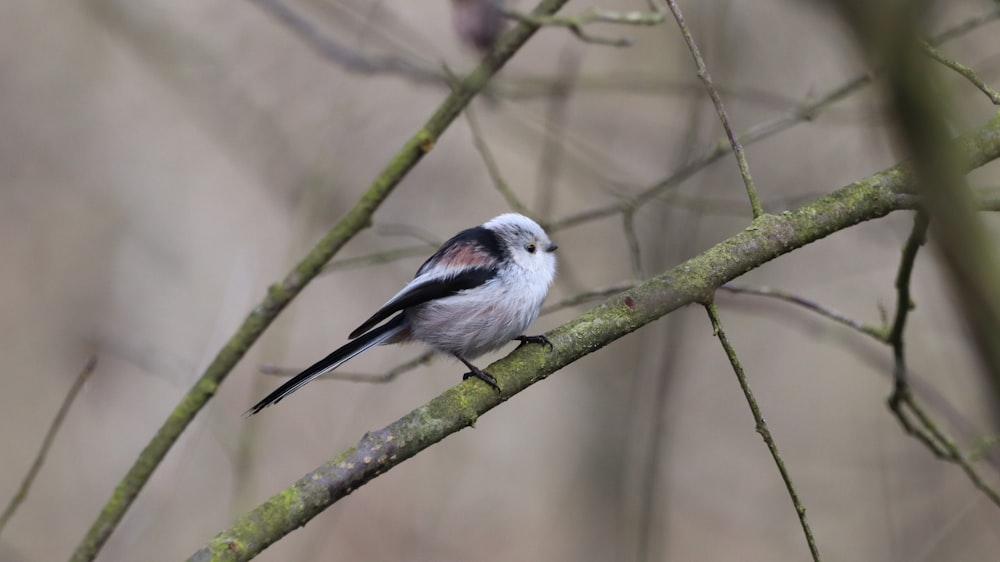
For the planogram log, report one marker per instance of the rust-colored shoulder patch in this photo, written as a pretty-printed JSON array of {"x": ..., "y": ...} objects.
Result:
[{"x": 467, "y": 254}]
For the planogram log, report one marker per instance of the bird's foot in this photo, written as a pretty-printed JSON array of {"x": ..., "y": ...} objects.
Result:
[
  {"x": 481, "y": 375},
  {"x": 539, "y": 339}
]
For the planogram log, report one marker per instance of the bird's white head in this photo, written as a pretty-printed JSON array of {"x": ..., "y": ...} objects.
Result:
[{"x": 527, "y": 245}]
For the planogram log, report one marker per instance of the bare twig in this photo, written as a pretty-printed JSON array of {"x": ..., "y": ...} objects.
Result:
[
  {"x": 720, "y": 108},
  {"x": 761, "y": 426},
  {"x": 963, "y": 70},
  {"x": 835, "y": 315},
  {"x": 904, "y": 302},
  {"x": 50, "y": 436},
  {"x": 946, "y": 449}
]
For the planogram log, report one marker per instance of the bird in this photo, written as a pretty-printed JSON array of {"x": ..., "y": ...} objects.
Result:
[{"x": 480, "y": 290}]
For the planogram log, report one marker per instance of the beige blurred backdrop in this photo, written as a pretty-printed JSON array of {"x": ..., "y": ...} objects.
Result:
[{"x": 162, "y": 162}]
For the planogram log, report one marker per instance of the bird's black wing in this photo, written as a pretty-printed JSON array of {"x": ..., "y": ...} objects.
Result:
[{"x": 419, "y": 292}]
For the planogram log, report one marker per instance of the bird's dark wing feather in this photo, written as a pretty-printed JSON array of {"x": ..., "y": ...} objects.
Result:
[{"x": 426, "y": 291}]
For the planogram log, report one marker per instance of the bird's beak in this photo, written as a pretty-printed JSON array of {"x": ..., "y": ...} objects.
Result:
[{"x": 552, "y": 248}]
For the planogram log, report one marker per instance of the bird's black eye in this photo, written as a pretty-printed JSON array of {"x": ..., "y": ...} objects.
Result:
[{"x": 531, "y": 247}]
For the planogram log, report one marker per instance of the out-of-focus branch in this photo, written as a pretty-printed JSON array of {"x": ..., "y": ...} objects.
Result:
[
  {"x": 343, "y": 56},
  {"x": 890, "y": 33},
  {"x": 281, "y": 293},
  {"x": 693, "y": 281},
  {"x": 50, "y": 436}
]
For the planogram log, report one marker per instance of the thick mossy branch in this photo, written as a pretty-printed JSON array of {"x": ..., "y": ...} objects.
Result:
[
  {"x": 280, "y": 294},
  {"x": 693, "y": 281}
]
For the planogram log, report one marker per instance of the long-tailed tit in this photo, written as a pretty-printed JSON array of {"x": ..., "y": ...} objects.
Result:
[{"x": 480, "y": 290}]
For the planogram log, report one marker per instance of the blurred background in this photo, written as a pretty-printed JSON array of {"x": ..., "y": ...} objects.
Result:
[{"x": 161, "y": 163}]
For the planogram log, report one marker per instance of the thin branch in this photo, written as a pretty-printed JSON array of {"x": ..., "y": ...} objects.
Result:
[
  {"x": 583, "y": 298},
  {"x": 281, "y": 293},
  {"x": 720, "y": 108},
  {"x": 390, "y": 375},
  {"x": 904, "y": 302},
  {"x": 902, "y": 395},
  {"x": 761, "y": 426},
  {"x": 491, "y": 165},
  {"x": 595, "y": 15},
  {"x": 835, "y": 315},
  {"x": 946, "y": 449},
  {"x": 963, "y": 70},
  {"x": 50, "y": 436}
]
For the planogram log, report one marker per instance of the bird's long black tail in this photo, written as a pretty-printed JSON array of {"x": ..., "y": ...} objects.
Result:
[{"x": 332, "y": 361}]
